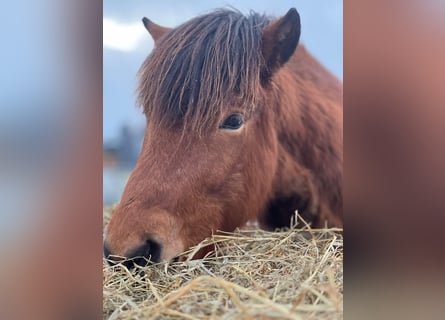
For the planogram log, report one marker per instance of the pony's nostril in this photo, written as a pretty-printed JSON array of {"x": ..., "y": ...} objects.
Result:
[
  {"x": 110, "y": 258},
  {"x": 149, "y": 252},
  {"x": 108, "y": 255},
  {"x": 106, "y": 252}
]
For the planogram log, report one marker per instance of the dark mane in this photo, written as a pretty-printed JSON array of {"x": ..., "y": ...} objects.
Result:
[{"x": 199, "y": 69}]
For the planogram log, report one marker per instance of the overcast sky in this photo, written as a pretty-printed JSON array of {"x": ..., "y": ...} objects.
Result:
[{"x": 127, "y": 43}]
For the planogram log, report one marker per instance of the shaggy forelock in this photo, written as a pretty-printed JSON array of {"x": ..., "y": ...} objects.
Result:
[{"x": 202, "y": 68}]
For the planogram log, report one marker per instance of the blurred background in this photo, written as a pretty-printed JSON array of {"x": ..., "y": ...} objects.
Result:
[
  {"x": 50, "y": 159},
  {"x": 126, "y": 44}
]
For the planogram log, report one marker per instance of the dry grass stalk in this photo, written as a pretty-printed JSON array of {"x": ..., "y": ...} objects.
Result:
[{"x": 254, "y": 274}]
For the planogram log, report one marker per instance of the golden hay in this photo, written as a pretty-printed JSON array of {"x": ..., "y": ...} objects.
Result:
[{"x": 254, "y": 274}]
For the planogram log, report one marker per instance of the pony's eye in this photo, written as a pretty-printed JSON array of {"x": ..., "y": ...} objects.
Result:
[{"x": 233, "y": 122}]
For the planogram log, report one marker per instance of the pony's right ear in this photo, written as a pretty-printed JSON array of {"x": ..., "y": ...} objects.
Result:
[
  {"x": 156, "y": 31},
  {"x": 279, "y": 41}
]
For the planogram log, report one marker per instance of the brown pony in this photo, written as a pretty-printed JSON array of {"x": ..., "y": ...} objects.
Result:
[{"x": 241, "y": 125}]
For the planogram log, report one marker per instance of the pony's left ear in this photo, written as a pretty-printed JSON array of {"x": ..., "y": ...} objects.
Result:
[
  {"x": 279, "y": 41},
  {"x": 155, "y": 30}
]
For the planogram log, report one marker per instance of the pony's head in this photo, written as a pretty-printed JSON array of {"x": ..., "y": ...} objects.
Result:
[{"x": 210, "y": 146}]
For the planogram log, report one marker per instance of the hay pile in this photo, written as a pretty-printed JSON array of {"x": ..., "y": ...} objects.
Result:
[{"x": 254, "y": 274}]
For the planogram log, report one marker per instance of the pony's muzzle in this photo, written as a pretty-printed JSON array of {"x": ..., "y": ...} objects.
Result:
[{"x": 147, "y": 253}]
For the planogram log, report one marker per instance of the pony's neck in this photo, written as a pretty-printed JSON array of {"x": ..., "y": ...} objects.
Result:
[{"x": 310, "y": 128}]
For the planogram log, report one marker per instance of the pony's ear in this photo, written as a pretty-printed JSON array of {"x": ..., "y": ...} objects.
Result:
[
  {"x": 279, "y": 41},
  {"x": 156, "y": 31}
]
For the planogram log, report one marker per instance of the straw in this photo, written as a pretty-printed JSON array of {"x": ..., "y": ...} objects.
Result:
[{"x": 295, "y": 273}]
